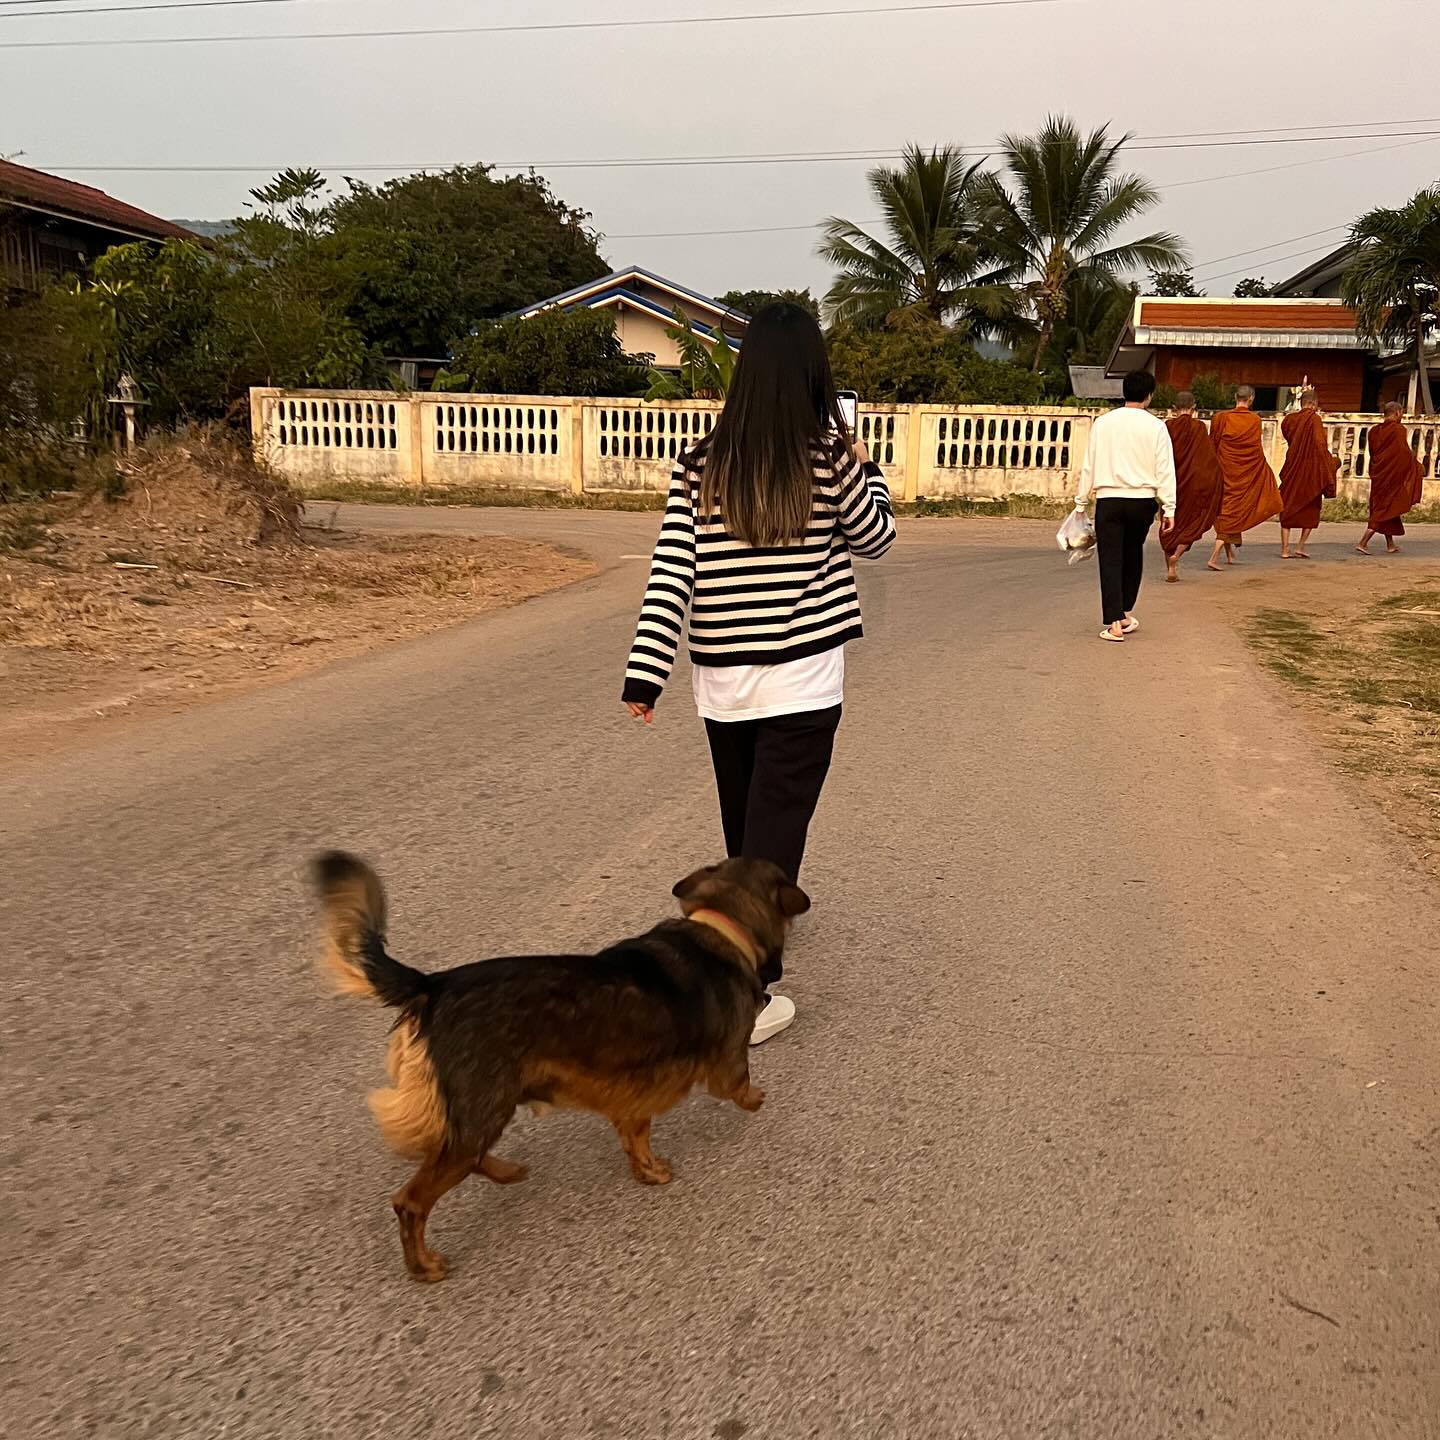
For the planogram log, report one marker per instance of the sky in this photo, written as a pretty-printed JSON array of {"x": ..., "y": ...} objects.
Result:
[{"x": 806, "y": 84}]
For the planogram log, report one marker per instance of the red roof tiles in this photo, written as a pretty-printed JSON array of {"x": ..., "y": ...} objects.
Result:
[
  {"x": 1287, "y": 315},
  {"x": 24, "y": 186}
]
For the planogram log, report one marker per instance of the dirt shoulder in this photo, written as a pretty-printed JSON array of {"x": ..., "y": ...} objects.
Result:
[
  {"x": 201, "y": 581},
  {"x": 1358, "y": 646}
]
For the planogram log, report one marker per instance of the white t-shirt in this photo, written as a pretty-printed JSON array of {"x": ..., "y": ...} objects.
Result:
[
  {"x": 1129, "y": 457},
  {"x": 758, "y": 692}
]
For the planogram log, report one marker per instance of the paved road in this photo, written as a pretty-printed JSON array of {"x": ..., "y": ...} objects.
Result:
[{"x": 1111, "y": 1109}]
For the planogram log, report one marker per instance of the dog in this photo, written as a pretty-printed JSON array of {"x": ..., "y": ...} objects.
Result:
[{"x": 626, "y": 1033}]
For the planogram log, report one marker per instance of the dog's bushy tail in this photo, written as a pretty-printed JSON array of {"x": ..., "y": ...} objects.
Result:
[
  {"x": 353, "y": 901},
  {"x": 411, "y": 1112}
]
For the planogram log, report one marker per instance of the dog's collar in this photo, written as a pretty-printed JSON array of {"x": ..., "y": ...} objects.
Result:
[{"x": 734, "y": 932}]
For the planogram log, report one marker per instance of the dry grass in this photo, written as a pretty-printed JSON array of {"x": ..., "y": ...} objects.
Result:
[
  {"x": 359, "y": 492},
  {"x": 1365, "y": 658},
  {"x": 200, "y": 579}
]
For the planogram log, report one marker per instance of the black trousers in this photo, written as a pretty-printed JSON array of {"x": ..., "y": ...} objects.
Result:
[
  {"x": 1120, "y": 530},
  {"x": 769, "y": 774}
]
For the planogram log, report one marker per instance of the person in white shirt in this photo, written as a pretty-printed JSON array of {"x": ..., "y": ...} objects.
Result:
[{"x": 1130, "y": 469}]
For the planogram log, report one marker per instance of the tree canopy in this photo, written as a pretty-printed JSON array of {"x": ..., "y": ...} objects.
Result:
[
  {"x": 935, "y": 261},
  {"x": 1394, "y": 278}
]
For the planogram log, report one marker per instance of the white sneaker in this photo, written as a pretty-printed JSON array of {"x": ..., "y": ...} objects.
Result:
[{"x": 778, "y": 1015}]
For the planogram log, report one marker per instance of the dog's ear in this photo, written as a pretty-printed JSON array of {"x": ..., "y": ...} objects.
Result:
[
  {"x": 793, "y": 900},
  {"x": 686, "y": 888}
]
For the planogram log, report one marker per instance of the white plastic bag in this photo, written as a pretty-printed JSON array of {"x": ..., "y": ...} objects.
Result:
[{"x": 1076, "y": 536}]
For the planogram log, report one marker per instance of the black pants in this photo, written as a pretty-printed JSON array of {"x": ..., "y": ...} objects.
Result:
[
  {"x": 1120, "y": 530},
  {"x": 769, "y": 774}
]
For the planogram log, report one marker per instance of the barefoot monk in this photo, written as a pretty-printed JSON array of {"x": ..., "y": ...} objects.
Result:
[
  {"x": 1198, "y": 483},
  {"x": 1306, "y": 477},
  {"x": 1251, "y": 494},
  {"x": 1397, "y": 479}
]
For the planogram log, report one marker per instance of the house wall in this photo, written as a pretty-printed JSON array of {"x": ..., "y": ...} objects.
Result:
[
  {"x": 1339, "y": 375},
  {"x": 642, "y": 334}
]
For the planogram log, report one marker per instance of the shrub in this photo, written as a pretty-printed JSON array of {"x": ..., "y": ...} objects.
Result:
[
  {"x": 922, "y": 363},
  {"x": 557, "y": 352}
]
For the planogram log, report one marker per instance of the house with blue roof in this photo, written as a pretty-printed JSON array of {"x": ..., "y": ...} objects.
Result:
[{"x": 645, "y": 305}]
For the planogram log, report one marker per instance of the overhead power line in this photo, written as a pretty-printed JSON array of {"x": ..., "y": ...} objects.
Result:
[
  {"x": 520, "y": 28},
  {"x": 1273, "y": 260},
  {"x": 791, "y": 157}
]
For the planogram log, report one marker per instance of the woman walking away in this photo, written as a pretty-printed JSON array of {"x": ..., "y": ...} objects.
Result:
[
  {"x": 762, "y": 518},
  {"x": 1130, "y": 468}
]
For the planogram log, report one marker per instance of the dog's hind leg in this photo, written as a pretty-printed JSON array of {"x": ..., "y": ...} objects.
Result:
[
  {"x": 413, "y": 1204},
  {"x": 502, "y": 1172},
  {"x": 634, "y": 1135}
]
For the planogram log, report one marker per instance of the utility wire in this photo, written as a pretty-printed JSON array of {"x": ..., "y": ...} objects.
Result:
[
  {"x": 794, "y": 157},
  {"x": 528, "y": 27}
]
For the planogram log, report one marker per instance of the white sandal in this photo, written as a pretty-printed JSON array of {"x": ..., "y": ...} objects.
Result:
[
  {"x": 1108, "y": 634},
  {"x": 1130, "y": 626}
]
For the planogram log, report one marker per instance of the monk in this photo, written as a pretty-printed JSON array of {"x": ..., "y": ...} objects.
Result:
[
  {"x": 1306, "y": 477},
  {"x": 1397, "y": 479},
  {"x": 1251, "y": 495},
  {"x": 1199, "y": 484}
]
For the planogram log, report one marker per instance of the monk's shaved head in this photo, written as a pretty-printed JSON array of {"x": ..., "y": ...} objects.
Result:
[
  {"x": 1185, "y": 400},
  {"x": 1309, "y": 400},
  {"x": 1245, "y": 393},
  {"x": 1394, "y": 407}
]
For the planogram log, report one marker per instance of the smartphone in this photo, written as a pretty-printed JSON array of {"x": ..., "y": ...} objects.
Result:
[{"x": 849, "y": 410}]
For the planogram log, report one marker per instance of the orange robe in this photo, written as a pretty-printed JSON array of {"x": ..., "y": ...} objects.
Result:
[
  {"x": 1397, "y": 478},
  {"x": 1199, "y": 484},
  {"x": 1251, "y": 494},
  {"x": 1308, "y": 472}
]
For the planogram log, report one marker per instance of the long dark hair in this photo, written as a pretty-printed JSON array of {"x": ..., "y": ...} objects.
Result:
[{"x": 760, "y": 457}]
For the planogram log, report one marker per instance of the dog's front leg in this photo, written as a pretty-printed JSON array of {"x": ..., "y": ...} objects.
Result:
[
  {"x": 732, "y": 1082},
  {"x": 634, "y": 1135}
]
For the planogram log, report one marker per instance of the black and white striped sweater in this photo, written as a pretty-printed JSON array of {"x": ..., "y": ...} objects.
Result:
[{"x": 752, "y": 606}]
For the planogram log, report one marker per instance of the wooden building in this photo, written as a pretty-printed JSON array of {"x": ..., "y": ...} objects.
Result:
[
  {"x": 1278, "y": 345},
  {"x": 50, "y": 227}
]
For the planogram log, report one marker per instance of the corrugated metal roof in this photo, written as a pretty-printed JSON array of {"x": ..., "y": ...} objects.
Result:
[
  {"x": 21, "y": 185},
  {"x": 1252, "y": 339}
]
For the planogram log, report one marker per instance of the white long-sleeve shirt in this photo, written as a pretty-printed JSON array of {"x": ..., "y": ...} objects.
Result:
[{"x": 1129, "y": 457}]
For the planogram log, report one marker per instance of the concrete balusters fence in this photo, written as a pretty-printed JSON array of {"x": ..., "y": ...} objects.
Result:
[{"x": 532, "y": 442}]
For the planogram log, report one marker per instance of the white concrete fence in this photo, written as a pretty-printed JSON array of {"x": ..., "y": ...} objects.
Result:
[{"x": 533, "y": 442}]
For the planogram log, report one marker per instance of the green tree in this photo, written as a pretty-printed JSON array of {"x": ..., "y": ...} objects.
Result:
[
  {"x": 1393, "y": 281},
  {"x": 287, "y": 304},
  {"x": 153, "y": 313},
  {"x": 934, "y": 261},
  {"x": 1096, "y": 309},
  {"x": 1252, "y": 288},
  {"x": 44, "y": 389},
  {"x": 557, "y": 352},
  {"x": 919, "y": 362},
  {"x": 1061, "y": 212},
  {"x": 750, "y": 302},
  {"x": 1212, "y": 393},
  {"x": 1173, "y": 283},
  {"x": 427, "y": 258}
]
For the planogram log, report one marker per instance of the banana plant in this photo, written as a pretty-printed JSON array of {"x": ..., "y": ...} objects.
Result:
[{"x": 707, "y": 366}]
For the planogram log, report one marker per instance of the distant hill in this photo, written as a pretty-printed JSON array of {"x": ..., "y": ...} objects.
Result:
[{"x": 210, "y": 229}]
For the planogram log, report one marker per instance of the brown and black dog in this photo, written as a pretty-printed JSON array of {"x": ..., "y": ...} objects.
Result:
[{"x": 626, "y": 1033}]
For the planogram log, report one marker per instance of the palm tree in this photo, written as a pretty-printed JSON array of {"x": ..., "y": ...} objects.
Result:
[
  {"x": 933, "y": 262},
  {"x": 1394, "y": 279},
  {"x": 1068, "y": 204}
]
